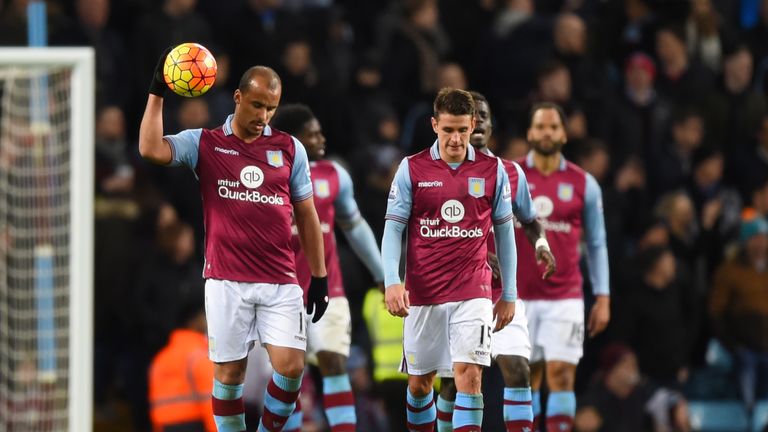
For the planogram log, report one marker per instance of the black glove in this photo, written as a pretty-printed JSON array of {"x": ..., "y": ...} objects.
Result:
[
  {"x": 158, "y": 87},
  {"x": 317, "y": 296}
]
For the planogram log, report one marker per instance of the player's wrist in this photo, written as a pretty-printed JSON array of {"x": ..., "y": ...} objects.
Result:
[{"x": 541, "y": 242}]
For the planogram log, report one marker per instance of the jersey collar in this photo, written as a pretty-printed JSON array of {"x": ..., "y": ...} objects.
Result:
[
  {"x": 529, "y": 161},
  {"x": 227, "y": 127},
  {"x": 434, "y": 151}
]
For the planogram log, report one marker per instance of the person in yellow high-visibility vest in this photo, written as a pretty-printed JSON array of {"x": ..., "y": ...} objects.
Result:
[{"x": 386, "y": 333}]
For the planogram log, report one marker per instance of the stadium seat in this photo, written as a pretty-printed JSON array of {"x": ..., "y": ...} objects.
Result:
[
  {"x": 760, "y": 416},
  {"x": 717, "y": 356},
  {"x": 718, "y": 416}
]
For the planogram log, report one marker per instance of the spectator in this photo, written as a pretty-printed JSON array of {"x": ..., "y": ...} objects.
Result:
[
  {"x": 181, "y": 376},
  {"x": 621, "y": 399},
  {"x": 670, "y": 165},
  {"x": 705, "y": 35},
  {"x": 637, "y": 117},
  {"x": 654, "y": 317},
  {"x": 735, "y": 111},
  {"x": 749, "y": 167},
  {"x": 681, "y": 80},
  {"x": 738, "y": 306}
]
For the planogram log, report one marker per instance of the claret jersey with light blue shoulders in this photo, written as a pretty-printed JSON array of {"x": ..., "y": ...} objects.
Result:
[
  {"x": 449, "y": 212},
  {"x": 248, "y": 191}
]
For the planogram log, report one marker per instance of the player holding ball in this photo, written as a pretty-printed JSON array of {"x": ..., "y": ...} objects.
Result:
[{"x": 252, "y": 180}]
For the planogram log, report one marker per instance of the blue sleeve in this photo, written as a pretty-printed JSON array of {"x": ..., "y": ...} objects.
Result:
[
  {"x": 301, "y": 183},
  {"x": 345, "y": 204},
  {"x": 185, "y": 147},
  {"x": 400, "y": 198},
  {"x": 506, "y": 251},
  {"x": 357, "y": 231},
  {"x": 391, "y": 246},
  {"x": 523, "y": 207},
  {"x": 594, "y": 234},
  {"x": 502, "y": 200}
]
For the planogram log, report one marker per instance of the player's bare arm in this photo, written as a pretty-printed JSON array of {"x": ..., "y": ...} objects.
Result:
[
  {"x": 536, "y": 236},
  {"x": 599, "y": 315},
  {"x": 310, "y": 235}
]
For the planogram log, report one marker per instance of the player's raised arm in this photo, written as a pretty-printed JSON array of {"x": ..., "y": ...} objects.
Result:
[
  {"x": 597, "y": 256},
  {"x": 152, "y": 146},
  {"x": 356, "y": 229},
  {"x": 398, "y": 214}
]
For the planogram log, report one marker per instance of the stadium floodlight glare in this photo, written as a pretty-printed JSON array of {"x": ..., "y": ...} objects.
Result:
[{"x": 46, "y": 238}]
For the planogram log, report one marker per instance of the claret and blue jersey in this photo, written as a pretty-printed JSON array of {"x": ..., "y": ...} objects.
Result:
[
  {"x": 449, "y": 212},
  {"x": 568, "y": 203},
  {"x": 247, "y": 192}
]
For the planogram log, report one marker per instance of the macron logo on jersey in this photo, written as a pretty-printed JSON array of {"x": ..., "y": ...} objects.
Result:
[
  {"x": 430, "y": 184},
  {"x": 227, "y": 151}
]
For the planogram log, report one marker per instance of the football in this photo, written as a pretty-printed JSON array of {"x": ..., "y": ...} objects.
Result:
[{"x": 190, "y": 69}]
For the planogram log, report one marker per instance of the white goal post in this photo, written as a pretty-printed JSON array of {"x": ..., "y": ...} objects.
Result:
[{"x": 46, "y": 238}]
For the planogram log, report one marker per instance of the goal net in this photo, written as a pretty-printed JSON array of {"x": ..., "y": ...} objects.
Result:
[{"x": 46, "y": 238}]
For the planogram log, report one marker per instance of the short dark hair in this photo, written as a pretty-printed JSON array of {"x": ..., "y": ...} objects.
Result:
[
  {"x": 681, "y": 115},
  {"x": 546, "y": 105},
  {"x": 548, "y": 68},
  {"x": 455, "y": 102},
  {"x": 292, "y": 118},
  {"x": 478, "y": 97},
  {"x": 263, "y": 71}
]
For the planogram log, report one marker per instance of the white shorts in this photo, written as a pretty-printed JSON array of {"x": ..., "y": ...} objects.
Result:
[
  {"x": 333, "y": 332},
  {"x": 557, "y": 329},
  {"x": 240, "y": 313},
  {"x": 514, "y": 338},
  {"x": 437, "y": 336}
]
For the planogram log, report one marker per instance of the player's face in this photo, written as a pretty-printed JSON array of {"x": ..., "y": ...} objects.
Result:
[
  {"x": 255, "y": 107},
  {"x": 483, "y": 125},
  {"x": 453, "y": 135},
  {"x": 546, "y": 134},
  {"x": 313, "y": 139}
]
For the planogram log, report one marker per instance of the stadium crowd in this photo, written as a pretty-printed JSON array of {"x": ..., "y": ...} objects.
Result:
[{"x": 667, "y": 107}]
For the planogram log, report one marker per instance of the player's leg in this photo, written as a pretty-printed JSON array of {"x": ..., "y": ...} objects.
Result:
[
  {"x": 329, "y": 341},
  {"x": 561, "y": 335},
  {"x": 445, "y": 404},
  {"x": 425, "y": 352},
  {"x": 281, "y": 328},
  {"x": 511, "y": 348},
  {"x": 561, "y": 403},
  {"x": 420, "y": 403},
  {"x": 470, "y": 346},
  {"x": 230, "y": 321},
  {"x": 537, "y": 378}
]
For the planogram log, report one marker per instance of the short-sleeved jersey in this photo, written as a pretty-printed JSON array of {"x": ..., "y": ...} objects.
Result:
[
  {"x": 567, "y": 202},
  {"x": 522, "y": 208},
  {"x": 449, "y": 214},
  {"x": 247, "y": 193},
  {"x": 334, "y": 199}
]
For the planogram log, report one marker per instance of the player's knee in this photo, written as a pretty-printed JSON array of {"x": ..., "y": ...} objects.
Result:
[
  {"x": 515, "y": 370},
  {"x": 468, "y": 378},
  {"x": 448, "y": 389},
  {"x": 419, "y": 386},
  {"x": 560, "y": 376},
  {"x": 230, "y": 373},
  {"x": 331, "y": 364}
]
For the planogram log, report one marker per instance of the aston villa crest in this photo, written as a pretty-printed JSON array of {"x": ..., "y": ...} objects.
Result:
[
  {"x": 275, "y": 158},
  {"x": 477, "y": 187}
]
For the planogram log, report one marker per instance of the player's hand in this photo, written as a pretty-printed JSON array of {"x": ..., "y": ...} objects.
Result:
[
  {"x": 493, "y": 261},
  {"x": 599, "y": 315},
  {"x": 544, "y": 255},
  {"x": 158, "y": 86},
  {"x": 503, "y": 312},
  {"x": 396, "y": 298},
  {"x": 317, "y": 297}
]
